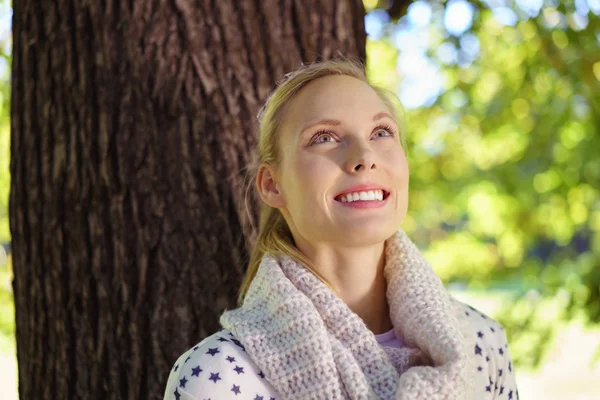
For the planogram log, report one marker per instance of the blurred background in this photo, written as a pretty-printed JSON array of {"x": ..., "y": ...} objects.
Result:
[{"x": 502, "y": 103}]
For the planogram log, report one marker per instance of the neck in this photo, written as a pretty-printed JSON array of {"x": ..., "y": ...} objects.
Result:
[{"x": 357, "y": 274}]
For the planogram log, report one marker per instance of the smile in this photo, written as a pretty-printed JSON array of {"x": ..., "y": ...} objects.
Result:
[{"x": 368, "y": 199}]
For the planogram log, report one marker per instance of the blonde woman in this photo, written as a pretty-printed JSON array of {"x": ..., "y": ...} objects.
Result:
[{"x": 337, "y": 302}]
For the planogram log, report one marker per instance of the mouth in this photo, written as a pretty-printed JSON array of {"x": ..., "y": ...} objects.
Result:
[{"x": 386, "y": 194}]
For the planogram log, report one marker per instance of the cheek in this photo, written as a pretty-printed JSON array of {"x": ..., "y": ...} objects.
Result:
[
  {"x": 299, "y": 182},
  {"x": 306, "y": 166},
  {"x": 314, "y": 172},
  {"x": 314, "y": 177},
  {"x": 396, "y": 159}
]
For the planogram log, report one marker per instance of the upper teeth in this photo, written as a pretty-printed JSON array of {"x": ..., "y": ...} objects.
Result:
[{"x": 370, "y": 195}]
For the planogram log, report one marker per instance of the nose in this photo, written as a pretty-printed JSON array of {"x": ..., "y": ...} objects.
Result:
[{"x": 361, "y": 158}]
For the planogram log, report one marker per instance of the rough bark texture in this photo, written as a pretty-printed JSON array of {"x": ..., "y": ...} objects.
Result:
[{"x": 131, "y": 124}]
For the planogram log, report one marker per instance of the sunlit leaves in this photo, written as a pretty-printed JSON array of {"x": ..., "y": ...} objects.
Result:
[
  {"x": 596, "y": 69},
  {"x": 5, "y": 60},
  {"x": 383, "y": 54},
  {"x": 4, "y": 176},
  {"x": 449, "y": 263},
  {"x": 505, "y": 164}
]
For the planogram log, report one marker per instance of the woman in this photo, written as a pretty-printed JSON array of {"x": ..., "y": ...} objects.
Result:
[{"x": 337, "y": 302}]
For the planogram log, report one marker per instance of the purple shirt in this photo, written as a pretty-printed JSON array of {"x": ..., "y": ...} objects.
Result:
[{"x": 389, "y": 339}]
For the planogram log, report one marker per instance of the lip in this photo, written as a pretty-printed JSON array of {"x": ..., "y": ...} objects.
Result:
[{"x": 363, "y": 188}]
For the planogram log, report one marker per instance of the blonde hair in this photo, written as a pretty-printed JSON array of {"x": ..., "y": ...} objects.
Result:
[{"x": 274, "y": 236}]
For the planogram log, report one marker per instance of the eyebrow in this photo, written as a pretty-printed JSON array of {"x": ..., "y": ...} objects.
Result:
[{"x": 335, "y": 122}]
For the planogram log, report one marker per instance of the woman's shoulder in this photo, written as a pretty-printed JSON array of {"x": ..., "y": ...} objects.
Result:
[
  {"x": 492, "y": 354},
  {"x": 218, "y": 368},
  {"x": 212, "y": 350},
  {"x": 488, "y": 332}
]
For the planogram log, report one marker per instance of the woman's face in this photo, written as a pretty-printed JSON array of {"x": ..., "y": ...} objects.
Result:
[{"x": 337, "y": 133}]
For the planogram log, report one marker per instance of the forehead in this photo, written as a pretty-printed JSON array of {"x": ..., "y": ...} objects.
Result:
[{"x": 337, "y": 97}]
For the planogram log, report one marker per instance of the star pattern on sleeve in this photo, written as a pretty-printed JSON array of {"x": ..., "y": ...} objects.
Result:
[
  {"x": 236, "y": 389},
  {"x": 238, "y": 369},
  {"x": 218, "y": 368},
  {"x": 196, "y": 371},
  {"x": 182, "y": 382},
  {"x": 492, "y": 354},
  {"x": 213, "y": 351}
]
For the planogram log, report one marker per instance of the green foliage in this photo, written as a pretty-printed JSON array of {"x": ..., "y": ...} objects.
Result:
[
  {"x": 7, "y": 309},
  {"x": 5, "y": 65},
  {"x": 505, "y": 164},
  {"x": 4, "y": 177}
]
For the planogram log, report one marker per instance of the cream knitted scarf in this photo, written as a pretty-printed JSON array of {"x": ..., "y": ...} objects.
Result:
[{"x": 310, "y": 345}]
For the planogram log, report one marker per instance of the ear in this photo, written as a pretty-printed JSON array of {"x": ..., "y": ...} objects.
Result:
[{"x": 268, "y": 187}]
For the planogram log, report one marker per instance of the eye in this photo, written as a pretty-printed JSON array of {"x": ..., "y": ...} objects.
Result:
[
  {"x": 319, "y": 135},
  {"x": 324, "y": 133},
  {"x": 385, "y": 129}
]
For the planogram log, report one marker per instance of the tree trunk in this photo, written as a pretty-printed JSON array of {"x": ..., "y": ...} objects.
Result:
[{"x": 131, "y": 125}]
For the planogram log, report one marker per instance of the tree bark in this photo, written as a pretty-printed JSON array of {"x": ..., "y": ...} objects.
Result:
[{"x": 131, "y": 124}]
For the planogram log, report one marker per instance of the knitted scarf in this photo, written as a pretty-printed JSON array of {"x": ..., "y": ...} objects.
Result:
[{"x": 310, "y": 345}]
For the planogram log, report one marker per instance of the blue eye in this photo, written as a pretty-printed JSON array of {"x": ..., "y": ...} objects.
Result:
[
  {"x": 386, "y": 128},
  {"x": 324, "y": 133},
  {"x": 389, "y": 133},
  {"x": 320, "y": 135}
]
